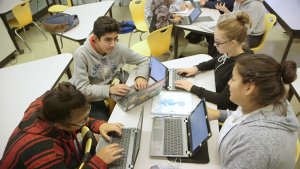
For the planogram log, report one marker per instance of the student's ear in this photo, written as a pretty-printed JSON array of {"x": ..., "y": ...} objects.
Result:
[{"x": 250, "y": 89}]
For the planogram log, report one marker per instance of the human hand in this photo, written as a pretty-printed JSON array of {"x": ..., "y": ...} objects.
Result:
[
  {"x": 176, "y": 19},
  {"x": 109, "y": 127},
  {"x": 188, "y": 71},
  {"x": 202, "y": 2},
  {"x": 222, "y": 7},
  {"x": 183, "y": 84},
  {"x": 110, "y": 153},
  {"x": 119, "y": 89},
  {"x": 140, "y": 83},
  {"x": 183, "y": 6}
]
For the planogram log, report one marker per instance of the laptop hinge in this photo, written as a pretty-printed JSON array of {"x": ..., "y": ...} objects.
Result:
[{"x": 185, "y": 120}]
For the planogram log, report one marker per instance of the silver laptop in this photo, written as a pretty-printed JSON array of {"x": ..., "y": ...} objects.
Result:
[
  {"x": 135, "y": 98},
  {"x": 180, "y": 136},
  {"x": 130, "y": 141},
  {"x": 159, "y": 71},
  {"x": 191, "y": 18}
]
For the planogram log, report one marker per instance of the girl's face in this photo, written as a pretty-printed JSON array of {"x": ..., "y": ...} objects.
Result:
[
  {"x": 238, "y": 90},
  {"x": 221, "y": 42}
]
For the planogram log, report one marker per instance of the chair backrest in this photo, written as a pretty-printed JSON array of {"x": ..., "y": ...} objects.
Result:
[
  {"x": 136, "y": 8},
  {"x": 22, "y": 13},
  {"x": 270, "y": 20},
  {"x": 159, "y": 40},
  {"x": 69, "y": 2}
]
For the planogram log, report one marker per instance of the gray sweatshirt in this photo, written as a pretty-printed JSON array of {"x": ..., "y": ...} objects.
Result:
[
  {"x": 93, "y": 72},
  {"x": 256, "y": 11},
  {"x": 264, "y": 140}
]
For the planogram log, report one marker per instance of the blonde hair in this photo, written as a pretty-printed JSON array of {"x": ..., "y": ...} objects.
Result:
[{"x": 235, "y": 28}]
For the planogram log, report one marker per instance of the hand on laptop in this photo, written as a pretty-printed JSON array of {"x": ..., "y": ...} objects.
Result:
[
  {"x": 110, "y": 127},
  {"x": 222, "y": 7},
  {"x": 183, "y": 84},
  {"x": 119, "y": 89},
  {"x": 110, "y": 153},
  {"x": 188, "y": 71},
  {"x": 140, "y": 83}
]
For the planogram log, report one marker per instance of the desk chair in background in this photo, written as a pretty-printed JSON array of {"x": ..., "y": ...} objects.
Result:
[
  {"x": 23, "y": 17},
  {"x": 156, "y": 44},
  {"x": 60, "y": 8},
  {"x": 136, "y": 8},
  {"x": 270, "y": 20}
]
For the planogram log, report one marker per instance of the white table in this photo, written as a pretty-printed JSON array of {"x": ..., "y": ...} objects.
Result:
[
  {"x": 5, "y": 7},
  {"x": 198, "y": 25},
  {"x": 22, "y": 84},
  {"x": 130, "y": 119},
  {"x": 87, "y": 14}
]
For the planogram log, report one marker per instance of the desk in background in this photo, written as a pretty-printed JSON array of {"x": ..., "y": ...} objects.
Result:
[
  {"x": 287, "y": 14},
  {"x": 87, "y": 14},
  {"x": 22, "y": 84},
  {"x": 197, "y": 26},
  {"x": 130, "y": 118}
]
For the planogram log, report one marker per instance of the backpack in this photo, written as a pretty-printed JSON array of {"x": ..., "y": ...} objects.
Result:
[
  {"x": 60, "y": 22},
  {"x": 127, "y": 26}
]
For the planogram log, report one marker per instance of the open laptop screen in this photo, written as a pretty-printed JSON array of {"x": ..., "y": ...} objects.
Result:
[
  {"x": 157, "y": 70},
  {"x": 195, "y": 14},
  {"x": 138, "y": 136},
  {"x": 199, "y": 126}
]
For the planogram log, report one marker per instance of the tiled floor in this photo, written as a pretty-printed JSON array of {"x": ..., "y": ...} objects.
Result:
[{"x": 41, "y": 48}]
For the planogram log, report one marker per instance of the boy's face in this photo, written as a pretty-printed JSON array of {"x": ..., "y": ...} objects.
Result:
[{"x": 106, "y": 43}]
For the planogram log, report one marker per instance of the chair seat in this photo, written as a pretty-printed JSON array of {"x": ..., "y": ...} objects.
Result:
[
  {"x": 14, "y": 24},
  {"x": 142, "y": 48},
  {"x": 141, "y": 26},
  {"x": 57, "y": 8}
]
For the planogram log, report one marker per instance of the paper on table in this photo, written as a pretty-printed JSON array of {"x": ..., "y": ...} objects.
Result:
[{"x": 172, "y": 103}]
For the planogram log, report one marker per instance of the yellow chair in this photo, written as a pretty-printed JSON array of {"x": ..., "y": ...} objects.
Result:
[
  {"x": 60, "y": 8},
  {"x": 89, "y": 143},
  {"x": 23, "y": 17},
  {"x": 270, "y": 20},
  {"x": 136, "y": 8},
  {"x": 156, "y": 44}
]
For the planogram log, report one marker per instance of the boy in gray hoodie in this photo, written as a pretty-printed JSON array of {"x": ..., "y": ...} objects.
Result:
[{"x": 99, "y": 59}]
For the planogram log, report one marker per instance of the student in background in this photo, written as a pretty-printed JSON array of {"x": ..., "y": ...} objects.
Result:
[
  {"x": 229, "y": 37},
  {"x": 46, "y": 136},
  {"x": 256, "y": 11},
  {"x": 99, "y": 60},
  {"x": 263, "y": 131},
  {"x": 162, "y": 17},
  {"x": 212, "y": 4}
]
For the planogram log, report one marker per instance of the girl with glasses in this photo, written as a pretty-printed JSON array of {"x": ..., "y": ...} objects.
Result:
[{"x": 229, "y": 37}]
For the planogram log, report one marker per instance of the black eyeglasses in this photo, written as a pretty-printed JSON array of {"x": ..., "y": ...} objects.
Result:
[
  {"x": 86, "y": 118},
  {"x": 220, "y": 43}
]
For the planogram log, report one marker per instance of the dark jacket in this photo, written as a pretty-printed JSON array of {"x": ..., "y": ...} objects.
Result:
[
  {"x": 37, "y": 144},
  {"x": 212, "y": 3},
  {"x": 223, "y": 66}
]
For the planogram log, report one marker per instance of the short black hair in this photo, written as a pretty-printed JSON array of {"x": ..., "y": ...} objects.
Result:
[{"x": 105, "y": 24}]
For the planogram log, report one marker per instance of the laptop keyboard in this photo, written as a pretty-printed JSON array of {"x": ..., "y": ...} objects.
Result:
[
  {"x": 124, "y": 143},
  {"x": 176, "y": 76},
  {"x": 173, "y": 143}
]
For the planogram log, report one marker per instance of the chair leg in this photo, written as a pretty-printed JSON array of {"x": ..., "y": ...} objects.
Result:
[
  {"x": 24, "y": 32},
  {"x": 40, "y": 29},
  {"x": 130, "y": 36},
  {"x": 22, "y": 40}
]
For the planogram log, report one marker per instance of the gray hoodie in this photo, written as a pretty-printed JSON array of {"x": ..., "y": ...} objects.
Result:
[
  {"x": 264, "y": 140},
  {"x": 93, "y": 72},
  {"x": 256, "y": 11}
]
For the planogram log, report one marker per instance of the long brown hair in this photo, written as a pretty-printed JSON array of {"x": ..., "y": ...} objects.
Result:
[{"x": 268, "y": 75}]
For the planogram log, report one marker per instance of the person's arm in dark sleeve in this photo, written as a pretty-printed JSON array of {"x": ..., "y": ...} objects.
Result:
[
  {"x": 208, "y": 65},
  {"x": 220, "y": 99}
]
